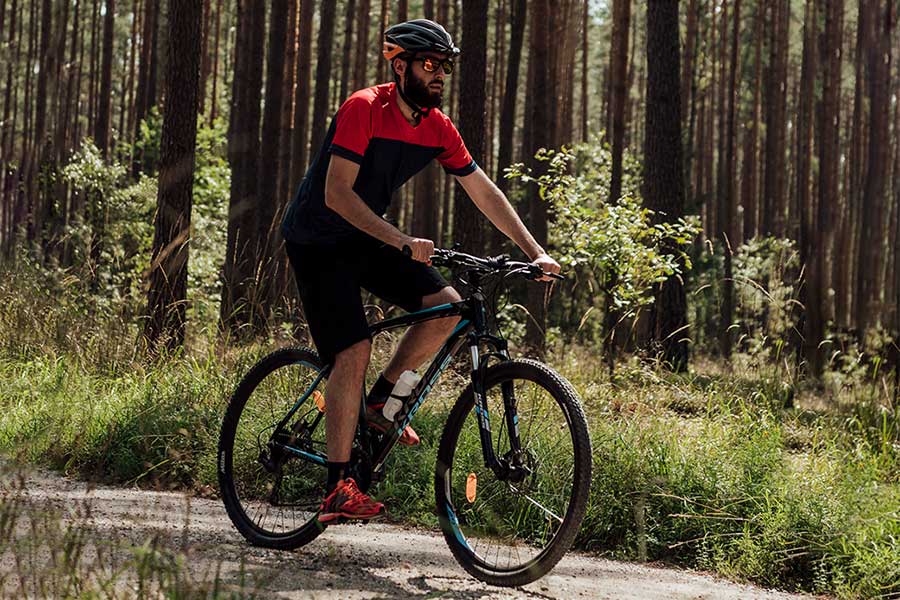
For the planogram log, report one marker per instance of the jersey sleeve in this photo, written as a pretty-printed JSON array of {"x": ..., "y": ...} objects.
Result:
[
  {"x": 455, "y": 158},
  {"x": 353, "y": 129}
]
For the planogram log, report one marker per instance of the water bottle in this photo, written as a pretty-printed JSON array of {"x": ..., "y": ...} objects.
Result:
[{"x": 400, "y": 394}]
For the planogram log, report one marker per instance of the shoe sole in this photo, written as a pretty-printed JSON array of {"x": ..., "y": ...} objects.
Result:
[{"x": 342, "y": 517}]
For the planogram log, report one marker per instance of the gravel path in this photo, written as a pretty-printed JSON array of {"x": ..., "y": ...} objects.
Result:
[{"x": 348, "y": 561}]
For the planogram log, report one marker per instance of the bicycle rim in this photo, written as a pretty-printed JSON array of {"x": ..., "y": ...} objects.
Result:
[
  {"x": 510, "y": 532},
  {"x": 276, "y": 483}
]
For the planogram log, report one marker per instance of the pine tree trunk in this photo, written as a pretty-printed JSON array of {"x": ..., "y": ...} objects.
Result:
[
  {"x": 267, "y": 209},
  {"x": 238, "y": 291},
  {"x": 323, "y": 74},
  {"x": 7, "y": 138},
  {"x": 540, "y": 137},
  {"x": 213, "y": 111},
  {"x": 363, "y": 50},
  {"x": 468, "y": 222},
  {"x": 829, "y": 157},
  {"x": 383, "y": 23},
  {"x": 169, "y": 265},
  {"x": 750, "y": 179},
  {"x": 687, "y": 94},
  {"x": 349, "y": 20},
  {"x": 776, "y": 111},
  {"x": 205, "y": 60},
  {"x": 875, "y": 204},
  {"x": 288, "y": 98},
  {"x": 803, "y": 169},
  {"x": 300, "y": 152},
  {"x": 136, "y": 49},
  {"x": 726, "y": 214},
  {"x": 663, "y": 175},
  {"x": 617, "y": 65},
  {"x": 585, "y": 50},
  {"x": 511, "y": 92},
  {"x": 103, "y": 114}
]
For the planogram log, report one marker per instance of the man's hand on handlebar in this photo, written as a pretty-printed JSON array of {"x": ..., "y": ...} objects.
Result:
[
  {"x": 547, "y": 265},
  {"x": 419, "y": 249}
]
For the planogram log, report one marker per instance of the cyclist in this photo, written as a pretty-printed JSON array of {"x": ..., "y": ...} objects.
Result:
[{"x": 338, "y": 243}]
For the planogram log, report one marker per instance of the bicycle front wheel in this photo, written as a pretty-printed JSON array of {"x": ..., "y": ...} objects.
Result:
[
  {"x": 272, "y": 479},
  {"x": 512, "y": 529}
]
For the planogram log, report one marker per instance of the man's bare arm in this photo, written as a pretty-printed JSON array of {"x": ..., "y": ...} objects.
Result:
[
  {"x": 340, "y": 197},
  {"x": 491, "y": 201}
]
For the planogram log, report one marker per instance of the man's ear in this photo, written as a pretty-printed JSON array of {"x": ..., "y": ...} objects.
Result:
[{"x": 399, "y": 66}]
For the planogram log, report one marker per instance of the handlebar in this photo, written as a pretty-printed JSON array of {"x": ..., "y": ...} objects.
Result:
[{"x": 495, "y": 264}]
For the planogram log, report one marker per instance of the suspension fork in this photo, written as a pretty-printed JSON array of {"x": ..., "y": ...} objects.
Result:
[{"x": 479, "y": 365}]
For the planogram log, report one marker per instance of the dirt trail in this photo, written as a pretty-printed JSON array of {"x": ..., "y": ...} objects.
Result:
[{"x": 349, "y": 561}]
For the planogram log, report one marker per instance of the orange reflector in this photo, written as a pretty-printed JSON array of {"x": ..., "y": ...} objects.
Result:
[
  {"x": 319, "y": 399},
  {"x": 471, "y": 487}
]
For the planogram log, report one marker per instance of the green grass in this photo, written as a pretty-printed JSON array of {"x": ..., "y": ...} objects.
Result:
[{"x": 706, "y": 470}]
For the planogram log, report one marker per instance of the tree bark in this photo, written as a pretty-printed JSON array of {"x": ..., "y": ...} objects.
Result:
[
  {"x": 467, "y": 219},
  {"x": 363, "y": 51},
  {"x": 323, "y": 74},
  {"x": 103, "y": 113},
  {"x": 663, "y": 178},
  {"x": 300, "y": 152},
  {"x": 750, "y": 179},
  {"x": 213, "y": 110},
  {"x": 267, "y": 208},
  {"x": 618, "y": 62},
  {"x": 238, "y": 288},
  {"x": 776, "y": 123},
  {"x": 726, "y": 213},
  {"x": 349, "y": 20},
  {"x": 7, "y": 138},
  {"x": 829, "y": 158},
  {"x": 540, "y": 138},
  {"x": 585, "y": 49},
  {"x": 803, "y": 187},
  {"x": 167, "y": 297},
  {"x": 288, "y": 98},
  {"x": 510, "y": 95},
  {"x": 875, "y": 204},
  {"x": 383, "y": 23}
]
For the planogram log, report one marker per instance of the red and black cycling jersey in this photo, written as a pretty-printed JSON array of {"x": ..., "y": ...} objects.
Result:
[{"x": 370, "y": 130}]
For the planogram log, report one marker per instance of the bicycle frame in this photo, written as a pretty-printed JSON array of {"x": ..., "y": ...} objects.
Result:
[{"x": 472, "y": 330}]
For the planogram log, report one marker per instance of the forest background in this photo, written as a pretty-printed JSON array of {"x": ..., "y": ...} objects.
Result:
[{"x": 721, "y": 183}]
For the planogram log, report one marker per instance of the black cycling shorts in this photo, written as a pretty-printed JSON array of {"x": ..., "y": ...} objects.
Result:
[{"x": 330, "y": 279}]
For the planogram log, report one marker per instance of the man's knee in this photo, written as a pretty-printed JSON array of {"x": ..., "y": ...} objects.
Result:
[
  {"x": 355, "y": 357},
  {"x": 444, "y": 296}
]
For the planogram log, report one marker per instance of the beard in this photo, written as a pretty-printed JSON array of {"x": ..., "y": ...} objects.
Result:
[{"x": 418, "y": 91}]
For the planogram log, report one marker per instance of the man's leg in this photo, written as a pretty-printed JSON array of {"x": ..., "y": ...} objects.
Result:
[
  {"x": 342, "y": 397},
  {"x": 424, "y": 339}
]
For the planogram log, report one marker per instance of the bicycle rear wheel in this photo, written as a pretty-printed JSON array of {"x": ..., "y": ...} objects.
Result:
[
  {"x": 272, "y": 484},
  {"x": 511, "y": 531}
]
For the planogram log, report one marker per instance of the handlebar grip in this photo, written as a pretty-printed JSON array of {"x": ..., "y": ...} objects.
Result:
[{"x": 407, "y": 251}]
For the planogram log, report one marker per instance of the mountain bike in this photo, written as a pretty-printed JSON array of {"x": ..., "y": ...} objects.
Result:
[{"x": 513, "y": 468}]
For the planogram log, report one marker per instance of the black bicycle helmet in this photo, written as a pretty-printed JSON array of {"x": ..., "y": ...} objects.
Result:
[{"x": 418, "y": 35}]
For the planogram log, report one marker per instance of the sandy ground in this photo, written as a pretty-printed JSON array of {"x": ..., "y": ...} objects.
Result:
[{"x": 348, "y": 561}]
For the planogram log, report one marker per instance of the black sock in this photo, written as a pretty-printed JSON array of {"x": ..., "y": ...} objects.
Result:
[
  {"x": 380, "y": 391},
  {"x": 336, "y": 472}
]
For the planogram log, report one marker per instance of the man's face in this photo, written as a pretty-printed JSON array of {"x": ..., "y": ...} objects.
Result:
[{"x": 424, "y": 88}]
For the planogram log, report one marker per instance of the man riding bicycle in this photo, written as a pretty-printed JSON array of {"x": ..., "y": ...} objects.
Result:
[{"x": 338, "y": 243}]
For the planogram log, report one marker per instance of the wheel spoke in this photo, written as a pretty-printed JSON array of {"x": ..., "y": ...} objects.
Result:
[{"x": 546, "y": 510}]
